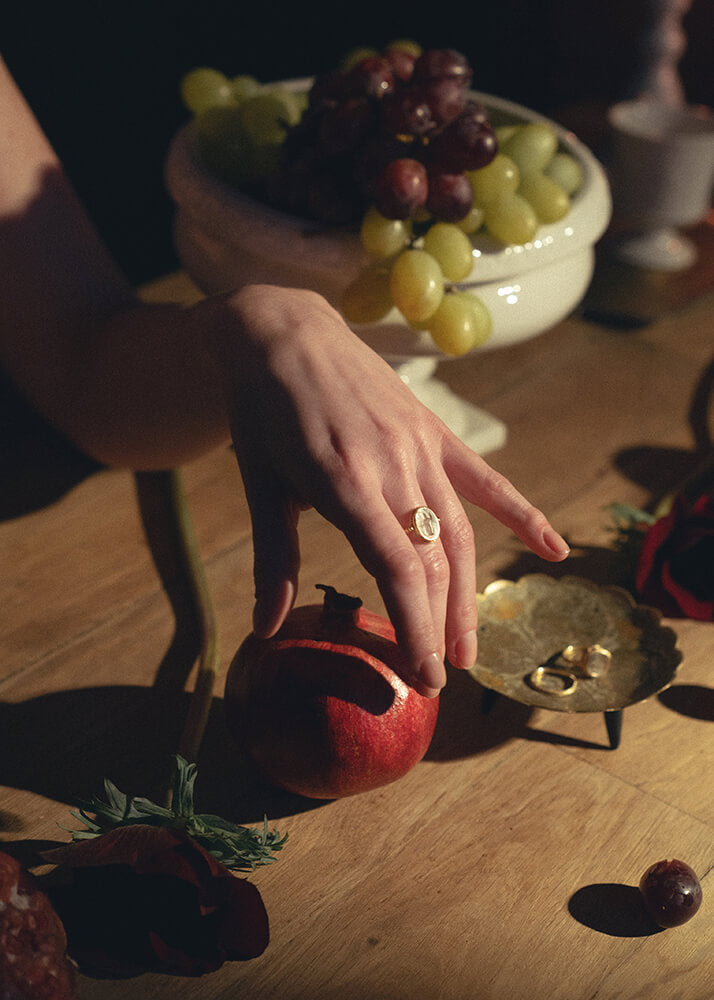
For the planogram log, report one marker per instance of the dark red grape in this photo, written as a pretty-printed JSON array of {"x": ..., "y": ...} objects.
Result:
[
  {"x": 371, "y": 77},
  {"x": 401, "y": 189},
  {"x": 402, "y": 63},
  {"x": 671, "y": 891},
  {"x": 446, "y": 97},
  {"x": 373, "y": 157},
  {"x": 450, "y": 196},
  {"x": 346, "y": 126},
  {"x": 406, "y": 111},
  {"x": 376, "y": 134},
  {"x": 435, "y": 63},
  {"x": 329, "y": 88},
  {"x": 476, "y": 110},
  {"x": 468, "y": 143}
]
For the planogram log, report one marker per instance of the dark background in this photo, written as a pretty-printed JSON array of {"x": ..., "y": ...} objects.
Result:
[{"x": 103, "y": 78}]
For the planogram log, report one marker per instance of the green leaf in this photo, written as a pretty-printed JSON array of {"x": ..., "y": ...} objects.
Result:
[
  {"x": 237, "y": 847},
  {"x": 626, "y": 516}
]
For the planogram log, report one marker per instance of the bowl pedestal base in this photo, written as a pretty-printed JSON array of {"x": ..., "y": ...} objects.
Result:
[{"x": 482, "y": 432}]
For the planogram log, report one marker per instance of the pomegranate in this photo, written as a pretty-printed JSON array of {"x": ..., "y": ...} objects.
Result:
[{"x": 320, "y": 708}]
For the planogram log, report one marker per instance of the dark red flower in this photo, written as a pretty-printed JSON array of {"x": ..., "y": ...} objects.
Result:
[
  {"x": 675, "y": 571},
  {"x": 33, "y": 960},
  {"x": 150, "y": 899}
]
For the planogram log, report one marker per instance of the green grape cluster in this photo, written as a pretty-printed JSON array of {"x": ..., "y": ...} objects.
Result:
[
  {"x": 528, "y": 183},
  {"x": 239, "y": 124},
  {"x": 415, "y": 272},
  {"x": 420, "y": 262}
]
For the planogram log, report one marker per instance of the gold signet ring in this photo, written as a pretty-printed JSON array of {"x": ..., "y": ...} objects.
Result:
[{"x": 425, "y": 524}]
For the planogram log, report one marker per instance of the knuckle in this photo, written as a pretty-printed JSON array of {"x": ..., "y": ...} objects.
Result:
[
  {"x": 461, "y": 535},
  {"x": 465, "y": 614},
  {"x": 401, "y": 565},
  {"x": 436, "y": 566}
]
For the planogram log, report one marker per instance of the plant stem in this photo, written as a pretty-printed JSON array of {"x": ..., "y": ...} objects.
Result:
[{"x": 200, "y": 705}]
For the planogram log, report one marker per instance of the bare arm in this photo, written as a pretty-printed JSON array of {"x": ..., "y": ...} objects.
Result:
[
  {"x": 316, "y": 417},
  {"x": 130, "y": 384}
]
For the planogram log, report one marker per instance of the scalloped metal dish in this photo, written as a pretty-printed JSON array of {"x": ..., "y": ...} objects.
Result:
[{"x": 524, "y": 625}]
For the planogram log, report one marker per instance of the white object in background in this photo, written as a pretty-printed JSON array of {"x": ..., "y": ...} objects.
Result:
[
  {"x": 661, "y": 47},
  {"x": 662, "y": 173}
]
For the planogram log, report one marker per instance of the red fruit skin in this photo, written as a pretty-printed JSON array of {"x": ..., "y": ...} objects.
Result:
[
  {"x": 671, "y": 891},
  {"x": 321, "y": 711},
  {"x": 33, "y": 960}
]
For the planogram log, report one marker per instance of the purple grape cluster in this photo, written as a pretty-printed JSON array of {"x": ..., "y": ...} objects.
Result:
[{"x": 396, "y": 130}]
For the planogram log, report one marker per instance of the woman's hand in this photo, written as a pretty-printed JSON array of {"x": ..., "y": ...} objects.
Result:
[{"x": 318, "y": 419}]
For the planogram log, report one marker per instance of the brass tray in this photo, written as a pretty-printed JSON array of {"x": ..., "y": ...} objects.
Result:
[{"x": 527, "y": 624}]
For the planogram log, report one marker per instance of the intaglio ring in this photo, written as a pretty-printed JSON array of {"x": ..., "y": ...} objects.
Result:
[
  {"x": 592, "y": 661},
  {"x": 425, "y": 524}
]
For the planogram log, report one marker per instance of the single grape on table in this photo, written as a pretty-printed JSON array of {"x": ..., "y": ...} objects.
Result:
[{"x": 671, "y": 892}]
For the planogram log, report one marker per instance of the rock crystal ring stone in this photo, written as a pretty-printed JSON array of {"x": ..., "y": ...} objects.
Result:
[
  {"x": 594, "y": 661},
  {"x": 425, "y": 524}
]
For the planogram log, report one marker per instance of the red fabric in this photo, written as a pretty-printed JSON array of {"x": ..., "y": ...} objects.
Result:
[{"x": 675, "y": 571}]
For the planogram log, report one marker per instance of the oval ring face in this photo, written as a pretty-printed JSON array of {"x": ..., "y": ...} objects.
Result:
[{"x": 425, "y": 524}]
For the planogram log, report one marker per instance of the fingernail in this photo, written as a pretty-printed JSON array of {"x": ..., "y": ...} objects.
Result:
[
  {"x": 465, "y": 651},
  {"x": 432, "y": 672},
  {"x": 557, "y": 545},
  {"x": 261, "y": 618}
]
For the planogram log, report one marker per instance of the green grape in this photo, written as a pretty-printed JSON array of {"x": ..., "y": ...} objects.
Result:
[
  {"x": 472, "y": 221},
  {"x": 565, "y": 170},
  {"x": 503, "y": 134},
  {"x": 243, "y": 87},
  {"x": 461, "y": 323},
  {"x": 548, "y": 199},
  {"x": 499, "y": 177},
  {"x": 204, "y": 88},
  {"x": 265, "y": 159},
  {"x": 383, "y": 237},
  {"x": 407, "y": 45},
  {"x": 511, "y": 219},
  {"x": 483, "y": 323},
  {"x": 452, "y": 249},
  {"x": 294, "y": 101},
  {"x": 368, "y": 298},
  {"x": 223, "y": 144},
  {"x": 266, "y": 116},
  {"x": 301, "y": 102},
  {"x": 416, "y": 284},
  {"x": 355, "y": 56},
  {"x": 532, "y": 146}
]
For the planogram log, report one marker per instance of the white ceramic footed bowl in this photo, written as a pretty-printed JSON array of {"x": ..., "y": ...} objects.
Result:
[{"x": 226, "y": 239}]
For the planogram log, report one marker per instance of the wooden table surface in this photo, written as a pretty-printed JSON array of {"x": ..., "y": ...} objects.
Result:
[{"x": 502, "y": 867}]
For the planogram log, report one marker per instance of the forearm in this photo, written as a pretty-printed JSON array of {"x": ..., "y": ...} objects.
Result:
[
  {"x": 128, "y": 383},
  {"x": 139, "y": 389}
]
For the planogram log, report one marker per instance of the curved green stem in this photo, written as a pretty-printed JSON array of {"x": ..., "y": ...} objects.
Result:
[{"x": 200, "y": 705}]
